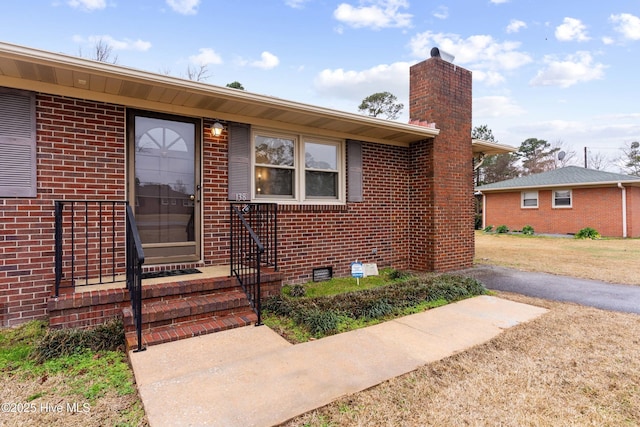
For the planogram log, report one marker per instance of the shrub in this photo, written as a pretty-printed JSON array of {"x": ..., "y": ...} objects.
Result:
[
  {"x": 587, "y": 233},
  {"x": 478, "y": 222},
  {"x": 528, "y": 230},
  {"x": 398, "y": 274},
  {"x": 502, "y": 229},
  {"x": 298, "y": 291},
  {"x": 65, "y": 342},
  {"x": 323, "y": 315},
  {"x": 488, "y": 229},
  {"x": 321, "y": 322}
]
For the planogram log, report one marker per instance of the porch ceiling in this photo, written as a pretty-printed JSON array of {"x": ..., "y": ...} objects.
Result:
[{"x": 37, "y": 70}]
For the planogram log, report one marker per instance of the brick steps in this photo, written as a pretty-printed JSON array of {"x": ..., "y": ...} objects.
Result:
[
  {"x": 192, "y": 328},
  {"x": 171, "y": 311},
  {"x": 189, "y": 315}
]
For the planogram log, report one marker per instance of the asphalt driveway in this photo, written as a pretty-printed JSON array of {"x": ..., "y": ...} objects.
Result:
[{"x": 607, "y": 296}]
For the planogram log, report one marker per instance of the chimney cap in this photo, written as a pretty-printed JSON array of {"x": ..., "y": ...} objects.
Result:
[{"x": 439, "y": 53}]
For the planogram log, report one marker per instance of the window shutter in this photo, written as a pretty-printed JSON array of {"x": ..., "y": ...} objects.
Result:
[
  {"x": 17, "y": 144},
  {"x": 239, "y": 162},
  {"x": 354, "y": 167}
]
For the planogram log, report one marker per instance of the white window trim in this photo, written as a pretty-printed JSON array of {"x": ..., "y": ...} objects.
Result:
[
  {"x": 299, "y": 196},
  {"x": 522, "y": 205},
  {"x": 553, "y": 199}
]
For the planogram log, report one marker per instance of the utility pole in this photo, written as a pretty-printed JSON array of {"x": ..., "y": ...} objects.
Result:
[{"x": 585, "y": 157}]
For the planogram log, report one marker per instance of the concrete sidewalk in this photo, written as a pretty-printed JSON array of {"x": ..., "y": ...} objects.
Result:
[{"x": 253, "y": 377}]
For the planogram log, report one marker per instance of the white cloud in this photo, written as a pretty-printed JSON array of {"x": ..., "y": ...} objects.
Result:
[
  {"x": 205, "y": 57},
  {"x": 515, "y": 26},
  {"x": 88, "y": 5},
  {"x": 574, "y": 69},
  {"x": 296, "y": 4},
  {"x": 487, "y": 57},
  {"x": 124, "y": 44},
  {"x": 442, "y": 12},
  {"x": 572, "y": 30},
  {"x": 628, "y": 25},
  {"x": 184, "y": 7},
  {"x": 495, "y": 106},
  {"x": 608, "y": 40},
  {"x": 356, "y": 85},
  {"x": 375, "y": 14},
  {"x": 499, "y": 1},
  {"x": 267, "y": 62}
]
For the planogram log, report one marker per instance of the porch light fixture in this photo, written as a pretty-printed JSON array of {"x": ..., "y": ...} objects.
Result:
[{"x": 216, "y": 129}]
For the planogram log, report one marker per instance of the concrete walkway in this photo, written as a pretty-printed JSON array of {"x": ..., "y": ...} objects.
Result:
[{"x": 252, "y": 377}]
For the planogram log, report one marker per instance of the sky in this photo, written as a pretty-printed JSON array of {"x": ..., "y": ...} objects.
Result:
[{"x": 566, "y": 71}]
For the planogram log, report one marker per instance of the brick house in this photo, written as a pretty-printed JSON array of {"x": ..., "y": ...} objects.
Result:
[
  {"x": 85, "y": 137},
  {"x": 565, "y": 200}
]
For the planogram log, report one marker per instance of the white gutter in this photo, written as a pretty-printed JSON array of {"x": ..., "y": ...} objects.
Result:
[
  {"x": 624, "y": 209},
  {"x": 563, "y": 185},
  {"x": 484, "y": 210}
]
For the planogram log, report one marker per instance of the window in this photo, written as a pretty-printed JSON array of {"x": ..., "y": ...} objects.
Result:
[
  {"x": 297, "y": 168},
  {"x": 17, "y": 143},
  {"x": 529, "y": 199},
  {"x": 562, "y": 199}
]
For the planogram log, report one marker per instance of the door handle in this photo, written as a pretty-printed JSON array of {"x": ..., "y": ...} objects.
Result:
[{"x": 192, "y": 197}]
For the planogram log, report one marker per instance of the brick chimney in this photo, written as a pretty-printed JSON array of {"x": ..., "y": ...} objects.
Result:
[{"x": 442, "y": 175}]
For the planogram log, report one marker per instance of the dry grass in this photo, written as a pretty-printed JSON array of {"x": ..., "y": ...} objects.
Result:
[
  {"x": 51, "y": 409},
  {"x": 610, "y": 260},
  {"x": 574, "y": 366}
]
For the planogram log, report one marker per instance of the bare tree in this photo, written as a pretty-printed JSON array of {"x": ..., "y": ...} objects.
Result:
[
  {"x": 562, "y": 160},
  {"x": 630, "y": 158},
  {"x": 103, "y": 52},
  {"x": 598, "y": 161},
  {"x": 198, "y": 73}
]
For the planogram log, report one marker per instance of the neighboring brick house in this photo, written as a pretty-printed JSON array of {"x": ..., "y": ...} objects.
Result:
[
  {"x": 347, "y": 186},
  {"x": 565, "y": 200}
]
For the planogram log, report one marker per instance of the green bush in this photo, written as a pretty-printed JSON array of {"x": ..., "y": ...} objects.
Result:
[
  {"x": 298, "y": 291},
  {"x": 528, "y": 230},
  {"x": 488, "y": 229},
  {"x": 587, "y": 233},
  {"x": 478, "y": 222},
  {"x": 322, "y": 315},
  {"x": 320, "y": 322},
  {"x": 502, "y": 229}
]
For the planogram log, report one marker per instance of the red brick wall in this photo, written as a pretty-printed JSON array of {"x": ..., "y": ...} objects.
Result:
[
  {"x": 599, "y": 208},
  {"x": 416, "y": 214},
  {"x": 442, "y": 173},
  {"x": 317, "y": 236},
  {"x": 633, "y": 212},
  {"x": 80, "y": 152}
]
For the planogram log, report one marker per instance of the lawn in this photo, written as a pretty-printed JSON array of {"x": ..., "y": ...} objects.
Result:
[
  {"x": 610, "y": 260},
  {"x": 81, "y": 388},
  {"x": 572, "y": 366}
]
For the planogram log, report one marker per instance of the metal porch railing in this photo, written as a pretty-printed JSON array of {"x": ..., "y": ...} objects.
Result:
[
  {"x": 135, "y": 260},
  {"x": 97, "y": 242},
  {"x": 254, "y": 244},
  {"x": 90, "y": 243}
]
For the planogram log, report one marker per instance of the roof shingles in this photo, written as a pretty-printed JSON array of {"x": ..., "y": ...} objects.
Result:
[{"x": 566, "y": 176}]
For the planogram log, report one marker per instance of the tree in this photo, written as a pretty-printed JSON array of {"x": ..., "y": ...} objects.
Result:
[
  {"x": 496, "y": 167},
  {"x": 235, "y": 85},
  {"x": 630, "y": 159},
  {"x": 598, "y": 161},
  {"x": 564, "y": 160},
  {"x": 198, "y": 73},
  {"x": 381, "y": 103},
  {"x": 483, "y": 132},
  {"x": 537, "y": 156},
  {"x": 103, "y": 52}
]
